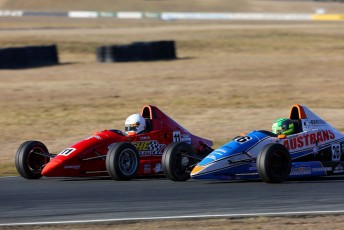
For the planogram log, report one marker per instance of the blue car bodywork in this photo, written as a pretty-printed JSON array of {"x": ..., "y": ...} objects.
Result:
[{"x": 316, "y": 149}]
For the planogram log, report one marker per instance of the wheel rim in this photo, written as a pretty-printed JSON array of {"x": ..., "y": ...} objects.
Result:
[
  {"x": 183, "y": 162},
  {"x": 35, "y": 161},
  {"x": 127, "y": 162}
]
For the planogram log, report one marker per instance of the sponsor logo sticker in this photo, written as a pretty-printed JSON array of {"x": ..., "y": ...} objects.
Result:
[
  {"x": 147, "y": 168},
  {"x": 158, "y": 168},
  {"x": 339, "y": 169},
  {"x": 72, "y": 167},
  {"x": 148, "y": 148},
  {"x": 308, "y": 139},
  {"x": 144, "y": 138},
  {"x": 317, "y": 122},
  {"x": 301, "y": 171}
]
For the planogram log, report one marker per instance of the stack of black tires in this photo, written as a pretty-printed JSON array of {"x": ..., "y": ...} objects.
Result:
[
  {"x": 28, "y": 57},
  {"x": 137, "y": 51}
]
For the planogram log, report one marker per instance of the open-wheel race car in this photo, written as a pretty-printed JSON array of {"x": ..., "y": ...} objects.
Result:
[
  {"x": 111, "y": 152},
  {"x": 314, "y": 149}
]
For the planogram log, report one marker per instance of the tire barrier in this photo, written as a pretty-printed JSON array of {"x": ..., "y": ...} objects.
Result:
[
  {"x": 27, "y": 57},
  {"x": 137, "y": 51}
]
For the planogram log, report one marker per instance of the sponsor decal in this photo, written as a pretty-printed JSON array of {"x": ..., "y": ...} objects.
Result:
[
  {"x": 148, "y": 148},
  {"x": 72, "y": 167},
  {"x": 216, "y": 154},
  {"x": 178, "y": 137},
  {"x": 317, "y": 122},
  {"x": 67, "y": 151},
  {"x": 301, "y": 171},
  {"x": 339, "y": 169},
  {"x": 323, "y": 169},
  {"x": 220, "y": 150},
  {"x": 147, "y": 168},
  {"x": 212, "y": 157},
  {"x": 144, "y": 138},
  {"x": 308, "y": 139},
  {"x": 186, "y": 138},
  {"x": 158, "y": 168}
]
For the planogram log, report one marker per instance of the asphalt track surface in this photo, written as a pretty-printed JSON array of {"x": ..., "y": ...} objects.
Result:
[{"x": 82, "y": 199}]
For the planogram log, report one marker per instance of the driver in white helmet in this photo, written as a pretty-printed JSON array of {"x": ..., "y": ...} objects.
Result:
[{"x": 134, "y": 124}]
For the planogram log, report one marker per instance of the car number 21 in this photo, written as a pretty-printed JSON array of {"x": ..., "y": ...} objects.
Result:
[{"x": 243, "y": 139}]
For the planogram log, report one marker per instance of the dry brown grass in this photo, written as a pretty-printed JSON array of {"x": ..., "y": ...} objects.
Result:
[
  {"x": 229, "y": 78},
  {"x": 267, "y": 223}
]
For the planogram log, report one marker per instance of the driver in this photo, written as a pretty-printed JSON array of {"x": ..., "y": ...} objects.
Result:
[
  {"x": 135, "y": 123},
  {"x": 283, "y": 126}
]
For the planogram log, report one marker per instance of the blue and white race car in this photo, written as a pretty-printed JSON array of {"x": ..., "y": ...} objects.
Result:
[{"x": 315, "y": 149}]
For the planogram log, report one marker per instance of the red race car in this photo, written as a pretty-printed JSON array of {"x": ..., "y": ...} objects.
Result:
[{"x": 120, "y": 155}]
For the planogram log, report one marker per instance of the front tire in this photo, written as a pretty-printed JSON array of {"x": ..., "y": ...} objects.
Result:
[
  {"x": 122, "y": 161},
  {"x": 274, "y": 163},
  {"x": 177, "y": 161},
  {"x": 29, "y": 160}
]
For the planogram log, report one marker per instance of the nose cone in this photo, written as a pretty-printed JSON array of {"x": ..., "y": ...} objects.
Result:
[
  {"x": 52, "y": 168},
  {"x": 196, "y": 170},
  {"x": 203, "y": 172}
]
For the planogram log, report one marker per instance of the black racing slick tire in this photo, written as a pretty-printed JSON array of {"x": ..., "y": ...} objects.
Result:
[
  {"x": 177, "y": 161},
  {"x": 274, "y": 163},
  {"x": 30, "y": 160},
  {"x": 122, "y": 161}
]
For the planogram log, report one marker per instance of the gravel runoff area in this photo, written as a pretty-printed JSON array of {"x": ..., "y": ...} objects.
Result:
[{"x": 304, "y": 222}]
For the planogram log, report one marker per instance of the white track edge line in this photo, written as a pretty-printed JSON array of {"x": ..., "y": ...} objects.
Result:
[{"x": 176, "y": 218}]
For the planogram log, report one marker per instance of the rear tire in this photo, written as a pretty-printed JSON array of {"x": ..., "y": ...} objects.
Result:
[
  {"x": 176, "y": 164},
  {"x": 274, "y": 163},
  {"x": 29, "y": 164},
  {"x": 122, "y": 161}
]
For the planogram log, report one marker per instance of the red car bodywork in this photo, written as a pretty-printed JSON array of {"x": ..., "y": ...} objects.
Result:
[{"x": 87, "y": 157}]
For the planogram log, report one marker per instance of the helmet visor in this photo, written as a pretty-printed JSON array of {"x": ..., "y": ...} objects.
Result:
[
  {"x": 284, "y": 126},
  {"x": 276, "y": 129},
  {"x": 131, "y": 127}
]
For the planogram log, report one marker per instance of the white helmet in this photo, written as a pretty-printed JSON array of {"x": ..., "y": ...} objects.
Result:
[{"x": 135, "y": 123}]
